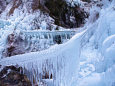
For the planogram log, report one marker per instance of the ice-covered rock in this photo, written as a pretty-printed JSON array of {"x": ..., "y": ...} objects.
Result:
[{"x": 62, "y": 61}]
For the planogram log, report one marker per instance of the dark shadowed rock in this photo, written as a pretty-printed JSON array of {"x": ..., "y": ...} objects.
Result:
[
  {"x": 65, "y": 15},
  {"x": 13, "y": 76}
]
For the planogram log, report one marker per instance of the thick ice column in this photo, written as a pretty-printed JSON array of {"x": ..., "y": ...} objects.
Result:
[{"x": 108, "y": 51}]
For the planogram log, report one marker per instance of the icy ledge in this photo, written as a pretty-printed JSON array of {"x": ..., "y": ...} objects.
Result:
[{"x": 62, "y": 61}]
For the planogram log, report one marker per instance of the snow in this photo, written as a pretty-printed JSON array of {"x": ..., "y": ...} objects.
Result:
[
  {"x": 4, "y": 23},
  {"x": 92, "y": 80},
  {"x": 43, "y": 25},
  {"x": 73, "y": 2}
]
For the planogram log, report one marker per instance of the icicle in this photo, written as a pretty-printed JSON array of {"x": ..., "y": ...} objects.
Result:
[{"x": 57, "y": 60}]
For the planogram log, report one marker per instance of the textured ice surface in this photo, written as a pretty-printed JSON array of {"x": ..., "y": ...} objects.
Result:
[{"x": 60, "y": 60}]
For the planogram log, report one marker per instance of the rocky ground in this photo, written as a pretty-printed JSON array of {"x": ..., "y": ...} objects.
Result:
[{"x": 13, "y": 76}]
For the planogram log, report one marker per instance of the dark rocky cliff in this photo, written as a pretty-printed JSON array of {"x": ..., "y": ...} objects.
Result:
[{"x": 63, "y": 13}]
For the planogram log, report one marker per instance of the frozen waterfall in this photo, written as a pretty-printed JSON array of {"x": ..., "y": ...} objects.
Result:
[
  {"x": 44, "y": 39},
  {"x": 60, "y": 61}
]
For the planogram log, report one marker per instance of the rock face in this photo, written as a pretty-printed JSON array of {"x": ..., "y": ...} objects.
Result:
[
  {"x": 14, "y": 46},
  {"x": 13, "y": 76},
  {"x": 65, "y": 15}
]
